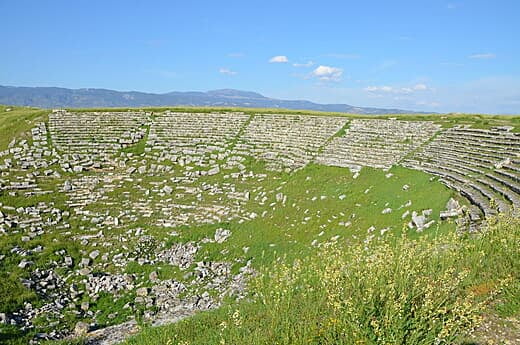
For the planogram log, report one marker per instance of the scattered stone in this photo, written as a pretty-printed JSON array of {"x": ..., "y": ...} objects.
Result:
[
  {"x": 81, "y": 329},
  {"x": 179, "y": 254},
  {"x": 142, "y": 292},
  {"x": 68, "y": 261},
  {"x": 453, "y": 209},
  {"x": 167, "y": 189},
  {"x": 24, "y": 264},
  {"x": 420, "y": 222},
  {"x": 178, "y": 200},
  {"x": 213, "y": 171},
  {"x": 452, "y": 205},
  {"x": 221, "y": 235},
  {"x": 84, "y": 271},
  {"x": 84, "y": 262},
  {"x": 67, "y": 186},
  {"x": 85, "y": 306},
  {"x": 153, "y": 276}
]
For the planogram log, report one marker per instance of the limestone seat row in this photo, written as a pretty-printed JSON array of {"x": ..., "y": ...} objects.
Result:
[
  {"x": 478, "y": 163},
  {"x": 376, "y": 143}
]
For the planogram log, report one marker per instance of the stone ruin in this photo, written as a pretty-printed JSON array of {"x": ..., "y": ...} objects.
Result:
[{"x": 143, "y": 165}]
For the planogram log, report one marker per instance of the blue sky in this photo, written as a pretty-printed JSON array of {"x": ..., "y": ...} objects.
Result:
[{"x": 460, "y": 56}]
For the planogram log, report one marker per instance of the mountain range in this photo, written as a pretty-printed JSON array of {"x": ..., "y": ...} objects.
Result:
[{"x": 55, "y": 97}]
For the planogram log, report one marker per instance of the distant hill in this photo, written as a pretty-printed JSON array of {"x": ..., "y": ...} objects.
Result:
[{"x": 55, "y": 97}]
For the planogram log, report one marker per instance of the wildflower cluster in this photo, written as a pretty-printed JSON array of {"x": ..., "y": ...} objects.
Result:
[{"x": 394, "y": 290}]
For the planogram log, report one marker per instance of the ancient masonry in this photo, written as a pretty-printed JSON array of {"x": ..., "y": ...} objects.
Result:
[{"x": 143, "y": 165}]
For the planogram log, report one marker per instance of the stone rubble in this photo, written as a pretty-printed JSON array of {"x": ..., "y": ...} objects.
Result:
[{"x": 99, "y": 176}]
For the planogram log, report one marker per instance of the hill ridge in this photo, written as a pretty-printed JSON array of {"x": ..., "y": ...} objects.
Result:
[{"x": 57, "y": 97}]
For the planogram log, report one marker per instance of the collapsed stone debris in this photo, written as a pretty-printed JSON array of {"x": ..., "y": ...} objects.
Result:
[{"x": 97, "y": 177}]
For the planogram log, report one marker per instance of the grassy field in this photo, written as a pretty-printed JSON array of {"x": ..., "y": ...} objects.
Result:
[
  {"x": 397, "y": 290},
  {"x": 15, "y": 121},
  {"x": 283, "y": 232},
  {"x": 333, "y": 268}
]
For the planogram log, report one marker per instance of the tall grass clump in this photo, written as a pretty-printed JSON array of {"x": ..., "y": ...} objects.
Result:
[
  {"x": 404, "y": 293},
  {"x": 393, "y": 291}
]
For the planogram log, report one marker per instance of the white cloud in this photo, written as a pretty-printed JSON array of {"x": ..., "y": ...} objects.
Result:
[
  {"x": 397, "y": 90},
  {"x": 420, "y": 87},
  {"x": 378, "y": 89},
  {"x": 327, "y": 73},
  {"x": 307, "y": 64},
  {"x": 493, "y": 95},
  {"x": 227, "y": 71},
  {"x": 483, "y": 56},
  {"x": 279, "y": 59}
]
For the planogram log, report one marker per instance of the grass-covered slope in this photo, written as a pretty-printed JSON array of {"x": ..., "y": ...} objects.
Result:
[
  {"x": 397, "y": 290},
  {"x": 17, "y": 120},
  {"x": 322, "y": 203},
  {"x": 335, "y": 259}
]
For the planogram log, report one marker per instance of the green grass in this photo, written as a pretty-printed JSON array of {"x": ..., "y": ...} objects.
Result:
[
  {"x": 284, "y": 229},
  {"x": 138, "y": 148},
  {"x": 395, "y": 291},
  {"x": 17, "y": 121},
  {"x": 268, "y": 237},
  {"x": 277, "y": 240}
]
